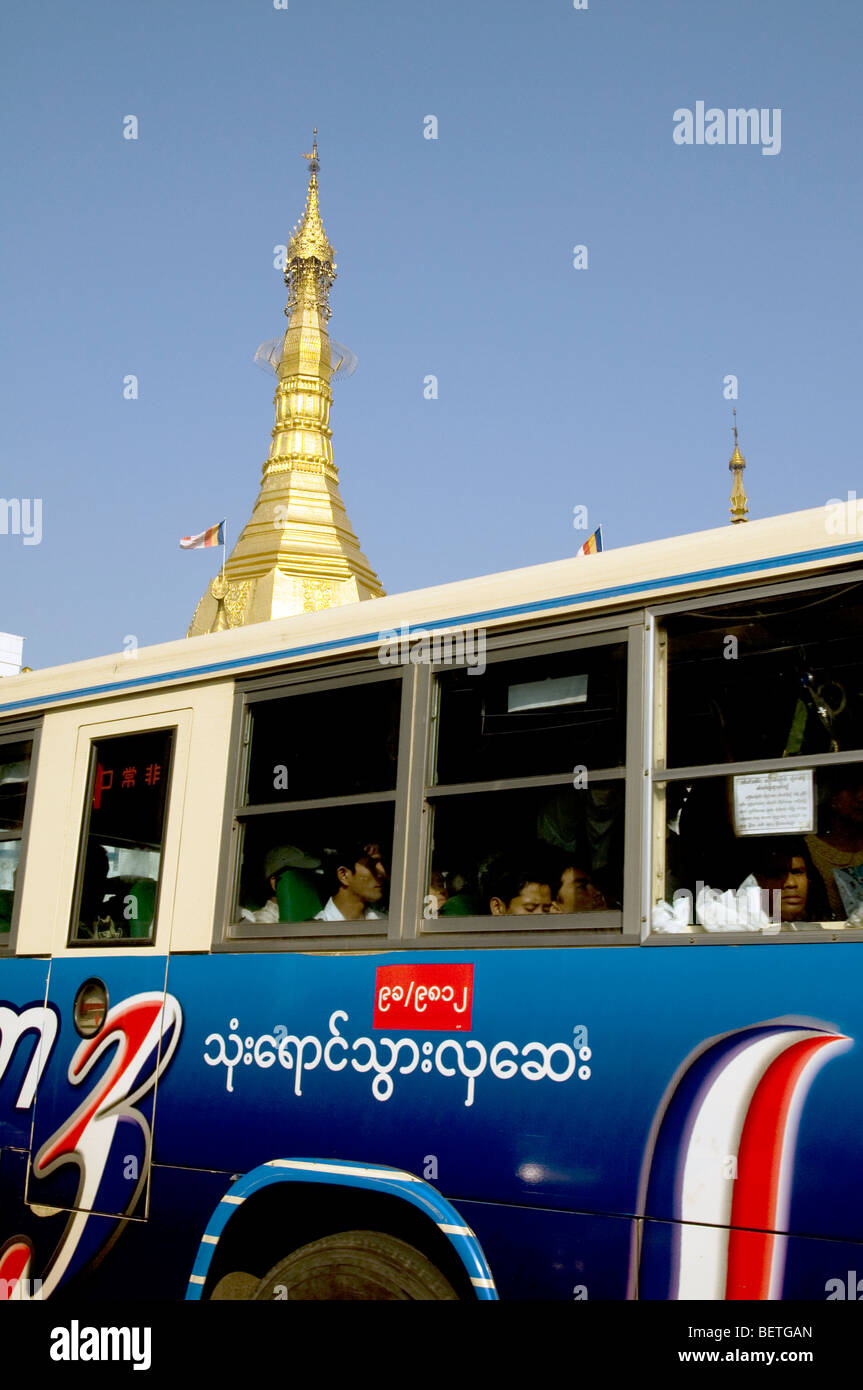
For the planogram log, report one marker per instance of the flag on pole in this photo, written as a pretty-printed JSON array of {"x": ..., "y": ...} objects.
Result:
[
  {"x": 593, "y": 544},
  {"x": 214, "y": 535}
]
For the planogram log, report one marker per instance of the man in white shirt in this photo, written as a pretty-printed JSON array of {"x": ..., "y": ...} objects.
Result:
[{"x": 359, "y": 877}]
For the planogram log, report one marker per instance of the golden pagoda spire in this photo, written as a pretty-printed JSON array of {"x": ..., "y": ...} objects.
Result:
[
  {"x": 298, "y": 552},
  {"x": 737, "y": 464}
]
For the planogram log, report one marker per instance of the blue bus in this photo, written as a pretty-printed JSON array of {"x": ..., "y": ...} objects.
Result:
[{"x": 494, "y": 941}]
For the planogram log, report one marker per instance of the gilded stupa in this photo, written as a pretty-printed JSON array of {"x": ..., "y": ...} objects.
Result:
[
  {"x": 298, "y": 552},
  {"x": 739, "y": 501}
]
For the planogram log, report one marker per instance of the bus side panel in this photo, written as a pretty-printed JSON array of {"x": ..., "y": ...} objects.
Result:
[
  {"x": 703, "y": 1263},
  {"x": 615, "y": 1081},
  {"x": 552, "y": 1255},
  {"x": 28, "y": 1031},
  {"x": 152, "y": 1260}
]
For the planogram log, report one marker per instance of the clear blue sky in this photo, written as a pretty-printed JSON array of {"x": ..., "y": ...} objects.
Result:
[{"x": 557, "y": 387}]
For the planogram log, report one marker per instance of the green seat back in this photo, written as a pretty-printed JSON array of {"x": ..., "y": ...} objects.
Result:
[{"x": 297, "y": 896}]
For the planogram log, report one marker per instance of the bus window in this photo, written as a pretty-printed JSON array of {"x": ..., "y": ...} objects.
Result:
[
  {"x": 538, "y": 830},
  {"x": 15, "y": 759},
  {"x": 533, "y": 717},
  {"x": 316, "y": 808},
  {"x": 758, "y": 808},
  {"x": 793, "y": 838},
  {"x": 122, "y": 838},
  {"x": 336, "y": 742},
  {"x": 775, "y": 678},
  {"x": 291, "y": 863}
]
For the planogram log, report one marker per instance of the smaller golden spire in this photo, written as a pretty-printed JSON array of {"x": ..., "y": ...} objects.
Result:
[
  {"x": 309, "y": 240},
  {"x": 737, "y": 464}
]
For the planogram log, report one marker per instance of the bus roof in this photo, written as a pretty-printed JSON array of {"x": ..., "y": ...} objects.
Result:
[{"x": 613, "y": 580}]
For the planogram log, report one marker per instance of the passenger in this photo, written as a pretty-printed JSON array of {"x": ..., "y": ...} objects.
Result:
[
  {"x": 783, "y": 865},
  {"x": 438, "y": 889},
  {"x": 519, "y": 890},
  {"x": 840, "y": 845},
  {"x": 578, "y": 892},
  {"x": 357, "y": 880},
  {"x": 279, "y": 859},
  {"x": 99, "y": 908},
  {"x": 462, "y": 900}
]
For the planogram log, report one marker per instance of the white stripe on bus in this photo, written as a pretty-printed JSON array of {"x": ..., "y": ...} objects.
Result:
[
  {"x": 197, "y": 1279},
  {"x": 343, "y": 1170},
  {"x": 209, "y": 1240},
  {"x": 234, "y": 1201},
  {"x": 483, "y": 1283},
  {"x": 454, "y": 1230}
]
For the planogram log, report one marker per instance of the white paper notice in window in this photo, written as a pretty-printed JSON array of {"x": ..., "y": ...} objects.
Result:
[{"x": 774, "y": 803}]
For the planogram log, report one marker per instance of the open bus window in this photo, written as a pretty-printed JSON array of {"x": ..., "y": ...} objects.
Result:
[
  {"x": 546, "y": 853},
  {"x": 14, "y": 782},
  {"x": 766, "y": 679},
  {"x": 331, "y": 864},
  {"x": 769, "y": 852},
  {"x": 122, "y": 838},
  {"x": 339, "y": 742}
]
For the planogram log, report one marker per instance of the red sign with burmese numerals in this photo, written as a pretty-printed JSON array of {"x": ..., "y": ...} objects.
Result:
[{"x": 435, "y": 998}]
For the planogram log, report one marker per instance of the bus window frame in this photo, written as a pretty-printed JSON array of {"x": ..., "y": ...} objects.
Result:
[
  {"x": 231, "y": 935},
  {"x": 622, "y": 928},
  {"x": 123, "y": 943},
  {"x": 659, "y": 775},
  {"x": 19, "y": 733},
  {"x": 406, "y": 928}
]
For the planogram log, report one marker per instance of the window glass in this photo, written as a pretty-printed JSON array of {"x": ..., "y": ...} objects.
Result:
[
  {"x": 766, "y": 679},
  {"x": 533, "y": 716},
  {"x": 535, "y": 852},
  {"x": 768, "y": 852},
  {"x": 14, "y": 782},
  {"x": 326, "y": 743},
  {"x": 332, "y": 863},
  {"x": 123, "y": 838}
]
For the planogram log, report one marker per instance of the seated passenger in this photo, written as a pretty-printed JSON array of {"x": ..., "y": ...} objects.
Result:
[
  {"x": 278, "y": 860},
  {"x": 437, "y": 894},
  {"x": 578, "y": 892},
  {"x": 100, "y": 915},
  {"x": 783, "y": 865},
  {"x": 516, "y": 889},
  {"x": 357, "y": 880},
  {"x": 462, "y": 900},
  {"x": 840, "y": 844}
]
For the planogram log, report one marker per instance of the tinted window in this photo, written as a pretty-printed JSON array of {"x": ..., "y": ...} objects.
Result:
[
  {"x": 766, "y": 679},
  {"x": 122, "y": 838},
  {"x": 534, "y": 716},
  {"x": 327, "y": 743}
]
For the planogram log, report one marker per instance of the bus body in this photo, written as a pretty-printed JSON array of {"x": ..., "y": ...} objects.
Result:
[{"x": 198, "y": 1085}]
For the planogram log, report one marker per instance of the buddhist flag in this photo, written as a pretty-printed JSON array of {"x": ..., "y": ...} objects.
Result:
[
  {"x": 593, "y": 544},
  {"x": 214, "y": 535}
]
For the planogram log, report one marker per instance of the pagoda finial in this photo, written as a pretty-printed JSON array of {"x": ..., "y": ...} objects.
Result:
[
  {"x": 737, "y": 464},
  {"x": 314, "y": 164},
  {"x": 309, "y": 240}
]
